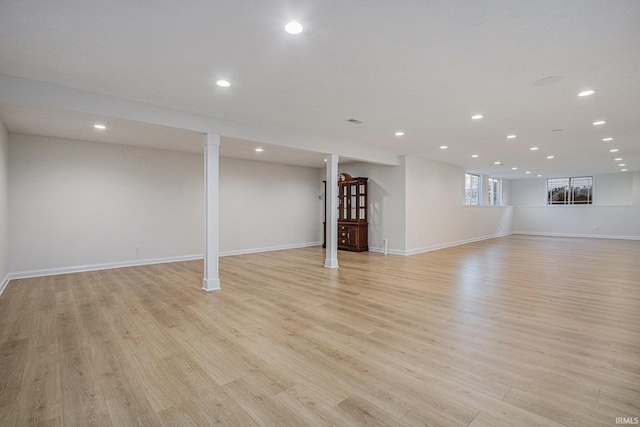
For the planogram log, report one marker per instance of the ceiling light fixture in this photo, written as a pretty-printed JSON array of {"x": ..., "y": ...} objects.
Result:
[
  {"x": 399, "y": 133},
  {"x": 586, "y": 92},
  {"x": 538, "y": 175},
  {"x": 617, "y": 159},
  {"x": 514, "y": 169},
  {"x": 99, "y": 126},
  {"x": 623, "y": 170},
  {"x": 293, "y": 27},
  {"x": 510, "y": 136},
  {"x": 550, "y": 157},
  {"x": 497, "y": 163},
  {"x": 607, "y": 139},
  {"x": 474, "y": 155},
  {"x": 533, "y": 148},
  {"x": 223, "y": 83},
  {"x": 528, "y": 172},
  {"x": 259, "y": 150},
  {"x": 443, "y": 147},
  {"x": 599, "y": 122},
  {"x": 614, "y": 150},
  {"x": 622, "y": 164},
  {"x": 477, "y": 116}
]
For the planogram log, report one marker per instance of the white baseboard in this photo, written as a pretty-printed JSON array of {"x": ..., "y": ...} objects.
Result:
[
  {"x": 270, "y": 249},
  {"x": 4, "y": 283},
  {"x": 389, "y": 251},
  {"x": 105, "y": 266},
  {"x": 584, "y": 236},
  {"x": 451, "y": 244}
]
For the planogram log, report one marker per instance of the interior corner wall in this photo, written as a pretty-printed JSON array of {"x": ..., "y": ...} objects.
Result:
[
  {"x": 268, "y": 206},
  {"x": 614, "y": 214},
  {"x": 386, "y": 198},
  {"x": 436, "y": 215},
  {"x": 77, "y": 205},
  {"x": 4, "y": 206}
]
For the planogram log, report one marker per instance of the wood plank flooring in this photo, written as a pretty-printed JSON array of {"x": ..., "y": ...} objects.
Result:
[{"x": 520, "y": 331}]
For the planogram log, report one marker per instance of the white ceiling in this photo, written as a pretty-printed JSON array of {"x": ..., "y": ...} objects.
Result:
[{"x": 420, "y": 66}]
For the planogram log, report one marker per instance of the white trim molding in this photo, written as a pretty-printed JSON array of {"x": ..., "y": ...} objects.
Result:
[
  {"x": 94, "y": 267},
  {"x": 270, "y": 249},
  {"x": 451, "y": 244},
  {"x": 584, "y": 236},
  {"x": 4, "y": 283}
]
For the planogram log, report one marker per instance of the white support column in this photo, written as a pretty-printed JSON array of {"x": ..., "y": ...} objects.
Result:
[
  {"x": 211, "y": 281},
  {"x": 331, "y": 196}
]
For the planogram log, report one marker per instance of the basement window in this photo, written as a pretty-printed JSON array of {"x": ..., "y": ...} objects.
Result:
[
  {"x": 471, "y": 189},
  {"x": 570, "y": 191}
]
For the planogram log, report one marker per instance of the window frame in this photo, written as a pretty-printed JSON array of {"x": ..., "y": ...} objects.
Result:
[
  {"x": 496, "y": 194},
  {"x": 569, "y": 190},
  {"x": 467, "y": 199}
]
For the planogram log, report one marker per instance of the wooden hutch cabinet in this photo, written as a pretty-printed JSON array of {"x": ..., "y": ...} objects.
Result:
[{"x": 352, "y": 214}]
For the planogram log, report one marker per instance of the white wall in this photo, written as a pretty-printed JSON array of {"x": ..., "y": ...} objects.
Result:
[
  {"x": 386, "y": 188},
  {"x": 266, "y": 206},
  {"x": 76, "y": 203},
  {"x": 614, "y": 214},
  {"x": 4, "y": 206},
  {"x": 436, "y": 215}
]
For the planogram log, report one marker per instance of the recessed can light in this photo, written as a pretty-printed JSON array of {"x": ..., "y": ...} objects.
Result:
[
  {"x": 617, "y": 159},
  {"x": 399, "y": 133},
  {"x": 514, "y": 169},
  {"x": 511, "y": 136},
  {"x": 99, "y": 126},
  {"x": 586, "y": 92},
  {"x": 443, "y": 147},
  {"x": 497, "y": 163},
  {"x": 474, "y": 155},
  {"x": 550, "y": 157},
  {"x": 528, "y": 172},
  {"x": 614, "y": 150},
  {"x": 538, "y": 175},
  {"x": 623, "y": 170},
  {"x": 607, "y": 139},
  {"x": 259, "y": 150},
  {"x": 622, "y": 164},
  {"x": 477, "y": 116},
  {"x": 293, "y": 27},
  {"x": 599, "y": 122},
  {"x": 223, "y": 83},
  {"x": 533, "y": 148}
]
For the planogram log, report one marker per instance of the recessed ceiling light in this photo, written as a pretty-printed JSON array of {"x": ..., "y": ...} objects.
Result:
[
  {"x": 528, "y": 172},
  {"x": 533, "y": 148},
  {"x": 399, "y": 133},
  {"x": 293, "y": 27},
  {"x": 622, "y": 164},
  {"x": 259, "y": 150},
  {"x": 614, "y": 150},
  {"x": 99, "y": 126},
  {"x": 514, "y": 169},
  {"x": 538, "y": 175},
  {"x": 497, "y": 163},
  {"x": 607, "y": 139},
  {"x": 443, "y": 147},
  {"x": 223, "y": 83},
  {"x": 586, "y": 92},
  {"x": 599, "y": 122},
  {"x": 474, "y": 155},
  {"x": 550, "y": 157},
  {"x": 617, "y": 159},
  {"x": 623, "y": 170},
  {"x": 511, "y": 136},
  {"x": 477, "y": 116}
]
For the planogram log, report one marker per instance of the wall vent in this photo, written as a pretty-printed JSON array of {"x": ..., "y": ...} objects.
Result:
[{"x": 355, "y": 121}]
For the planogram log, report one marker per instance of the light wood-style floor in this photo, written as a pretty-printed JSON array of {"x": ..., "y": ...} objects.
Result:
[{"x": 515, "y": 331}]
